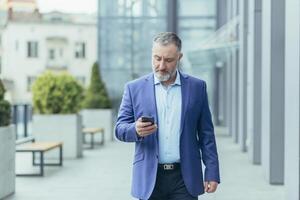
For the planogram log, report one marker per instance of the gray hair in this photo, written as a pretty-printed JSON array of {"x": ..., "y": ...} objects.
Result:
[{"x": 166, "y": 38}]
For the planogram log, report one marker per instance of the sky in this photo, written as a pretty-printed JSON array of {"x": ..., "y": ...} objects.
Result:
[{"x": 72, "y": 6}]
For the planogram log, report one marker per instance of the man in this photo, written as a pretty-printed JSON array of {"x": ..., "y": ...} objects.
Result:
[{"x": 168, "y": 153}]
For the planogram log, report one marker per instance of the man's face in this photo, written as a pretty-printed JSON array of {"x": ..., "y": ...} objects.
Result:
[{"x": 165, "y": 60}]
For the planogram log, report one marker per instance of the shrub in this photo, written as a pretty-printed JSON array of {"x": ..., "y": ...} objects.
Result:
[
  {"x": 5, "y": 108},
  {"x": 56, "y": 94},
  {"x": 96, "y": 95},
  {"x": 2, "y": 90}
]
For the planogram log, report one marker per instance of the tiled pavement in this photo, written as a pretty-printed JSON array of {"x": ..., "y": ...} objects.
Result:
[{"x": 105, "y": 174}]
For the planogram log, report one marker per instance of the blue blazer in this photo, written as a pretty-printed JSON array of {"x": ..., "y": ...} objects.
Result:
[{"x": 197, "y": 140}]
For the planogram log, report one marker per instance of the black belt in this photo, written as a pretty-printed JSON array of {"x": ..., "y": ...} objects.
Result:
[{"x": 169, "y": 166}]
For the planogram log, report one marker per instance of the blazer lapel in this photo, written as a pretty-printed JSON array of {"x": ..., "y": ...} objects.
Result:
[
  {"x": 149, "y": 97},
  {"x": 150, "y": 101},
  {"x": 185, "y": 94}
]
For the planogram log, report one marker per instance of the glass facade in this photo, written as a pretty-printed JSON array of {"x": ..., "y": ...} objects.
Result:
[
  {"x": 126, "y": 29},
  {"x": 196, "y": 22}
]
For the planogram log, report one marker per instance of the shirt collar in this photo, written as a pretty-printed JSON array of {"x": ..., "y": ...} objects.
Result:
[{"x": 177, "y": 80}]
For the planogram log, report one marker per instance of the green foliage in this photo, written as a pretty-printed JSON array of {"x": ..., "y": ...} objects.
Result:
[
  {"x": 5, "y": 108},
  {"x": 96, "y": 95},
  {"x": 2, "y": 90},
  {"x": 5, "y": 113},
  {"x": 56, "y": 94}
]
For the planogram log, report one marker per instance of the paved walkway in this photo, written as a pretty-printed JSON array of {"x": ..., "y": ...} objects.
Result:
[{"x": 105, "y": 174}]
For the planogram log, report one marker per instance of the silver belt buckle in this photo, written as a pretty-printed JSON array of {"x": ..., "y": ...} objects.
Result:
[{"x": 168, "y": 166}]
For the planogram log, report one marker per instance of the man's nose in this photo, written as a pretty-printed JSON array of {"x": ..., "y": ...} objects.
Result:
[{"x": 162, "y": 65}]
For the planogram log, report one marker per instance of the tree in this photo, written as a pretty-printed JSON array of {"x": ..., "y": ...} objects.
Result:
[
  {"x": 5, "y": 108},
  {"x": 57, "y": 94},
  {"x": 96, "y": 95}
]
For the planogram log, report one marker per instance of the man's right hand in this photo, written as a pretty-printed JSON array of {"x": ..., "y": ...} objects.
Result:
[{"x": 144, "y": 128}]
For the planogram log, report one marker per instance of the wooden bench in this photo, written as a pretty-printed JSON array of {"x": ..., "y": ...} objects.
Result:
[
  {"x": 25, "y": 140},
  {"x": 41, "y": 148},
  {"x": 92, "y": 132}
]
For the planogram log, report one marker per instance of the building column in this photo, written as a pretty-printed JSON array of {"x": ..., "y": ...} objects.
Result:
[
  {"x": 222, "y": 70},
  {"x": 273, "y": 45},
  {"x": 254, "y": 82},
  {"x": 172, "y": 17},
  {"x": 229, "y": 77},
  {"x": 229, "y": 94},
  {"x": 233, "y": 7},
  {"x": 242, "y": 75},
  {"x": 292, "y": 53}
]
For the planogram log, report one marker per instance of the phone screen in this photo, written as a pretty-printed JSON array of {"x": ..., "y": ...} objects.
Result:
[{"x": 148, "y": 119}]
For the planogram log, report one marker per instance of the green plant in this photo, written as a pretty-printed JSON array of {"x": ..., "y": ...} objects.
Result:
[
  {"x": 2, "y": 90},
  {"x": 5, "y": 108},
  {"x": 56, "y": 94},
  {"x": 96, "y": 95}
]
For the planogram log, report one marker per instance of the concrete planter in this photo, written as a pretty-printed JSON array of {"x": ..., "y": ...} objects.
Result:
[
  {"x": 7, "y": 161},
  {"x": 99, "y": 118},
  {"x": 65, "y": 128}
]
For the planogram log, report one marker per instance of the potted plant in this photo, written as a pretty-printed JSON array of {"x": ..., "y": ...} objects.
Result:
[
  {"x": 7, "y": 147},
  {"x": 57, "y": 98},
  {"x": 97, "y": 112}
]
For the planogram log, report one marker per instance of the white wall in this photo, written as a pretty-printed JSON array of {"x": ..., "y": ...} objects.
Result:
[
  {"x": 7, "y": 161},
  {"x": 17, "y": 67}
]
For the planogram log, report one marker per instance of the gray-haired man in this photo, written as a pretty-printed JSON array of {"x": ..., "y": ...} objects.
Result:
[{"x": 167, "y": 162}]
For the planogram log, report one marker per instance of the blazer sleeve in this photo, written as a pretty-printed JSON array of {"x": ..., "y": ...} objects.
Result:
[
  {"x": 125, "y": 126},
  {"x": 207, "y": 141}
]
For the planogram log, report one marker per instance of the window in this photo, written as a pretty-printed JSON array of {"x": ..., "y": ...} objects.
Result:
[
  {"x": 32, "y": 49},
  {"x": 80, "y": 50},
  {"x": 51, "y": 54},
  {"x": 56, "y": 19},
  {"x": 30, "y": 80}
]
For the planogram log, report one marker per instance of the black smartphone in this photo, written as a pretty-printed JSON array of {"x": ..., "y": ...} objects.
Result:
[{"x": 148, "y": 119}]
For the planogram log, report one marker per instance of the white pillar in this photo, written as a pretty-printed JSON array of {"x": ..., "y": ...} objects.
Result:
[
  {"x": 292, "y": 53},
  {"x": 254, "y": 82},
  {"x": 242, "y": 74},
  {"x": 273, "y": 26},
  {"x": 234, "y": 80}
]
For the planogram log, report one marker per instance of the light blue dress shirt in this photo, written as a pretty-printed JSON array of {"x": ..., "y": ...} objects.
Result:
[{"x": 168, "y": 101}]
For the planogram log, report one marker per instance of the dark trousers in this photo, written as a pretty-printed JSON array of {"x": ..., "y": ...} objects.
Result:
[{"x": 170, "y": 186}]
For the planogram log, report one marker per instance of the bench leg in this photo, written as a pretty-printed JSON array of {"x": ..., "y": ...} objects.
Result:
[
  {"x": 60, "y": 163},
  {"x": 33, "y": 158},
  {"x": 42, "y": 163},
  {"x": 60, "y": 155},
  {"x": 92, "y": 141},
  {"x": 83, "y": 138},
  {"x": 33, "y": 162},
  {"x": 102, "y": 137}
]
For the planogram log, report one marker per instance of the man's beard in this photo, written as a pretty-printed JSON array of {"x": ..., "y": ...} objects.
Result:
[
  {"x": 163, "y": 77},
  {"x": 166, "y": 76}
]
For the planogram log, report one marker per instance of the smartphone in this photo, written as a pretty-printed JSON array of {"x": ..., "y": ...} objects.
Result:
[{"x": 148, "y": 119}]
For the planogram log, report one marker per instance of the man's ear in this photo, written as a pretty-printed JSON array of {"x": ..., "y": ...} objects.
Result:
[{"x": 180, "y": 56}]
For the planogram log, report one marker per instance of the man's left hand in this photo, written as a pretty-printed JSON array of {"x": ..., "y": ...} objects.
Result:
[{"x": 210, "y": 186}]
